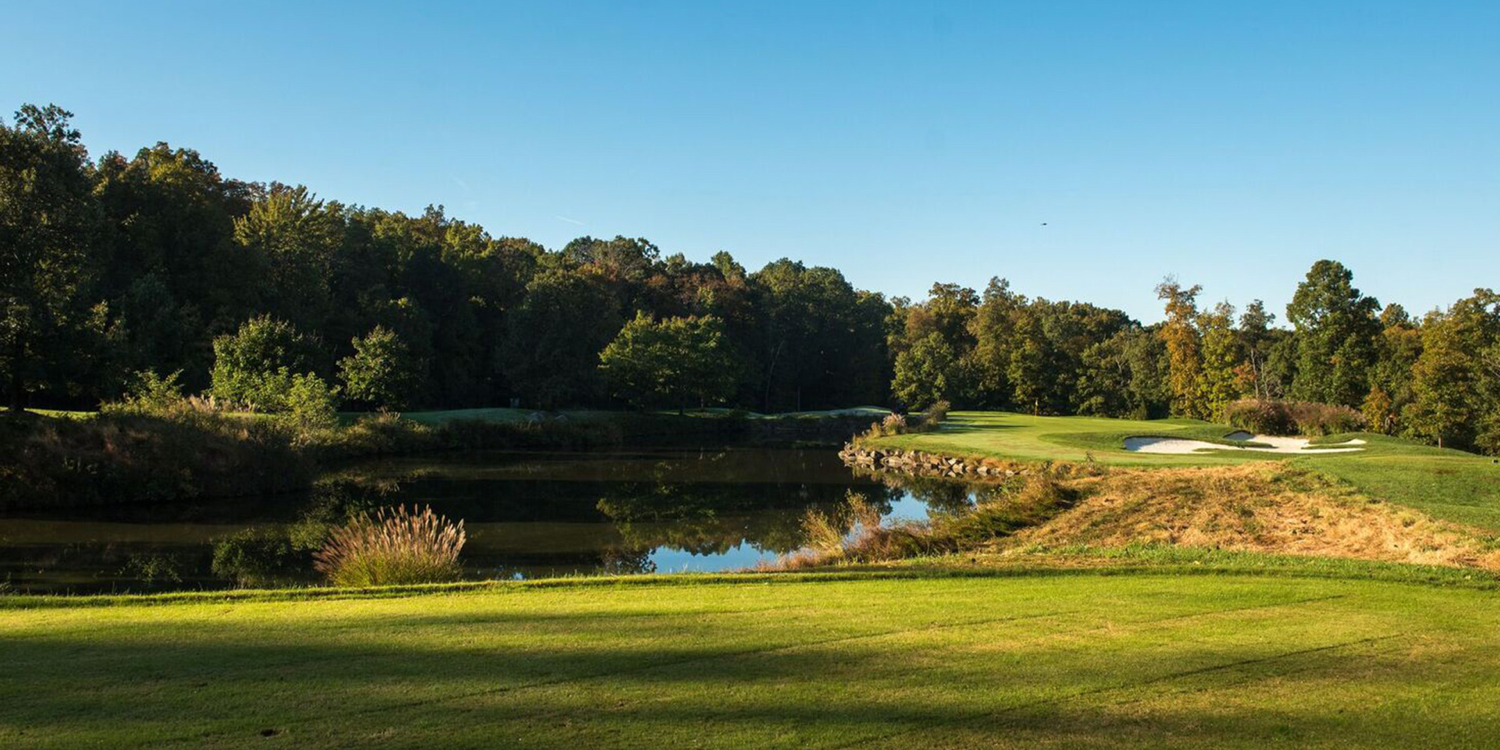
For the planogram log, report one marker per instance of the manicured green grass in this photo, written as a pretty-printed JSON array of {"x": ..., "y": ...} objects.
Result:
[
  {"x": 1446, "y": 484},
  {"x": 1076, "y": 660}
]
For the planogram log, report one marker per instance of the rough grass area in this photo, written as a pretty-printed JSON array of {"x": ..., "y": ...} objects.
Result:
[
  {"x": 1082, "y": 659},
  {"x": 1260, "y": 507},
  {"x": 1446, "y": 484}
]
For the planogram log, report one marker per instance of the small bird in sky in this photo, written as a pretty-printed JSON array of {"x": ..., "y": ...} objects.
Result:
[{"x": 1044, "y": 223}]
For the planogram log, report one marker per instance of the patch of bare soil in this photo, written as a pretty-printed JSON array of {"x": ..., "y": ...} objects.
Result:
[{"x": 1260, "y": 507}]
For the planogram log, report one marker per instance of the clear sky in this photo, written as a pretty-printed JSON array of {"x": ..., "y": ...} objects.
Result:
[{"x": 1230, "y": 143}]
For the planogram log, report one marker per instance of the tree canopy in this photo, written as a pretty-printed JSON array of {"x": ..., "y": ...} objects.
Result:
[{"x": 269, "y": 296}]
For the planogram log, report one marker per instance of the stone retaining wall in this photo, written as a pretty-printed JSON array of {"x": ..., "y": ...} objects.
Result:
[{"x": 928, "y": 464}]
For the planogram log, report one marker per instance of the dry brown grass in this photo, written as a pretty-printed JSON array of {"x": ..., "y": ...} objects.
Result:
[{"x": 1261, "y": 507}]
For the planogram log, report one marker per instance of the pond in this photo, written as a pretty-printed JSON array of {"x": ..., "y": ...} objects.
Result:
[{"x": 527, "y": 515}]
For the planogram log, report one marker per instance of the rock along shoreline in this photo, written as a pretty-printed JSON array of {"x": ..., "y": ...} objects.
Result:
[{"x": 921, "y": 463}]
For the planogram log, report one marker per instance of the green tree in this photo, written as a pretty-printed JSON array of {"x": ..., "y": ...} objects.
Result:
[
  {"x": 822, "y": 343},
  {"x": 934, "y": 346},
  {"x": 1257, "y": 338},
  {"x": 1456, "y": 379},
  {"x": 676, "y": 361},
  {"x": 1337, "y": 333},
  {"x": 553, "y": 340},
  {"x": 993, "y": 327},
  {"x": 929, "y": 371},
  {"x": 48, "y": 224},
  {"x": 1398, "y": 349},
  {"x": 382, "y": 372},
  {"x": 174, "y": 275},
  {"x": 295, "y": 236},
  {"x": 1221, "y": 359},
  {"x": 1028, "y": 370}
]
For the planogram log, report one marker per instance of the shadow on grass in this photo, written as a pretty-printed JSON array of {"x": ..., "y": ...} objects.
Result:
[{"x": 740, "y": 678}]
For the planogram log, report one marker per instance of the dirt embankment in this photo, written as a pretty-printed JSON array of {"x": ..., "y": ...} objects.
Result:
[{"x": 1261, "y": 507}]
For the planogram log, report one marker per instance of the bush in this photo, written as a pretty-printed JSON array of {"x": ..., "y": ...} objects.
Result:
[
  {"x": 149, "y": 393},
  {"x": 1326, "y": 419},
  {"x": 310, "y": 403},
  {"x": 393, "y": 547},
  {"x": 1261, "y": 416},
  {"x": 1269, "y": 417},
  {"x": 383, "y": 372},
  {"x": 934, "y": 416},
  {"x": 893, "y": 424}
]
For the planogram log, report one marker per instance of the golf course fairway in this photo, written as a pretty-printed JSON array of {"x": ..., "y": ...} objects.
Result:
[{"x": 1025, "y": 659}]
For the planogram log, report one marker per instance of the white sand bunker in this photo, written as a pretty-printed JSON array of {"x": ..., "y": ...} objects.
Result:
[{"x": 1273, "y": 444}]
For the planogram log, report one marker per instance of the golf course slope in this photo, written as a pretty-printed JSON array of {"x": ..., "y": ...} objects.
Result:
[
  {"x": 1447, "y": 485},
  {"x": 1076, "y": 659}
]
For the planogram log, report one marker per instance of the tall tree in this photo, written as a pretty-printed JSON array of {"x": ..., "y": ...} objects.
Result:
[
  {"x": 993, "y": 328},
  {"x": 1180, "y": 333},
  {"x": 1221, "y": 359},
  {"x": 1256, "y": 340},
  {"x": 553, "y": 339},
  {"x": 1399, "y": 348},
  {"x": 295, "y": 236},
  {"x": 1456, "y": 379},
  {"x": 676, "y": 361},
  {"x": 1337, "y": 333},
  {"x": 48, "y": 227}
]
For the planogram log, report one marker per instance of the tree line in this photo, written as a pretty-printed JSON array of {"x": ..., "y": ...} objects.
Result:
[{"x": 157, "y": 269}]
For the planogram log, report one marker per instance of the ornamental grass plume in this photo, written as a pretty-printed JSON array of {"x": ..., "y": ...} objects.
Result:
[{"x": 392, "y": 547}]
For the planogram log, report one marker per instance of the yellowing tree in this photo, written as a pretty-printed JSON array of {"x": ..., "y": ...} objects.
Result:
[{"x": 1184, "y": 360}]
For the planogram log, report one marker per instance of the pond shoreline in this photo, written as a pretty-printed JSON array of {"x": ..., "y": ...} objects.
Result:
[{"x": 134, "y": 458}]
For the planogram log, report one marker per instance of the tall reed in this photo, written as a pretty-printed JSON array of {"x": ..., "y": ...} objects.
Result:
[{"x": 392, "y": 547}]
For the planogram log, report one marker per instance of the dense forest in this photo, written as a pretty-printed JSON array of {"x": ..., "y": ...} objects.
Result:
[{"x": 120, "y": 274}]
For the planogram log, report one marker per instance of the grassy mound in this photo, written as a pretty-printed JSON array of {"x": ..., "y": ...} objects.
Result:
[{"x": 1446, "y": 484}]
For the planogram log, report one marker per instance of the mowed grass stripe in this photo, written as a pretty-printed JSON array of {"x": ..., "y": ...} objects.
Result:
[
  {"x": 1027, "y": 620},
  {"x": 956, "y": 650}
]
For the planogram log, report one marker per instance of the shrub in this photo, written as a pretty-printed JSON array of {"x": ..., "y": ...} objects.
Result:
[
  {"x": 1269, "y": 417},
  {"x": 893, "y": 424},
  {"x": 126, "y": 454},
  {"x": 383, "y": 372},
  {"x": 254, "y": 366},
  {"x": 310, "y": 403},
  {"x": 934, "y": 416},
  {"x": 149, "y": 393},
  {"x": 1325, "y": 419},
  {"x": 1261, "y": 416},
  {"x": 392, "y": 547}
]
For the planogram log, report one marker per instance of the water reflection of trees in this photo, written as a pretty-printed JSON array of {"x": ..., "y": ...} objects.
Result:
[
  {"x": 941, "y": 495},
  {"x": 708, "y": 519},
  {"x": 703, "y": 502}
]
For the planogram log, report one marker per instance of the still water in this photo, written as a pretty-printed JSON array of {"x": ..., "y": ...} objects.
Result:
[{"x": 527, "y": 515}]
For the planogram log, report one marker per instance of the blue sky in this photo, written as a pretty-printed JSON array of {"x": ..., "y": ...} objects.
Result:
[{"x": 1229, "y": 143}]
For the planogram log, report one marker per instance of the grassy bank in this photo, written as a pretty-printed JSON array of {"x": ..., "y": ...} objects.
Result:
[
  {"x": 1092, "y": 658},
  {"x": 1446, "y": 484},
  {"x": 125, "y": 457},
  {"x": 137, "y": 456}
]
